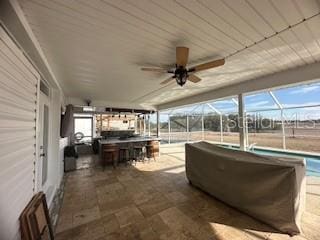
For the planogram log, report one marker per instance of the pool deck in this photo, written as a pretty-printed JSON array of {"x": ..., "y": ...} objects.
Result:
[{"x": 153, "y": 200}]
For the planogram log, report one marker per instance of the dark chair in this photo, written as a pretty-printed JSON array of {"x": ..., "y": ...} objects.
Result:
[{"x": 110, "y": 154}]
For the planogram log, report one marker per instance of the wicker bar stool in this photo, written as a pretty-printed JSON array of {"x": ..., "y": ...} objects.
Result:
[
  {"x": 124, "y": 154},
  {"x": 110, "y": 154},
  {"x": 152, "y": 148}
]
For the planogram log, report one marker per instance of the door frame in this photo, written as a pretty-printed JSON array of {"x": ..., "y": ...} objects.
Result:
[{"x": 41, "y": 100}]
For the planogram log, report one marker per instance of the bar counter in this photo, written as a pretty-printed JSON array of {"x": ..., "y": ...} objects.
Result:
[{"x": 128, "y": 140}]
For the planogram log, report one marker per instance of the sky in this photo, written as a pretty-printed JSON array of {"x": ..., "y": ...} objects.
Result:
[{"x": 302, "y": 95}]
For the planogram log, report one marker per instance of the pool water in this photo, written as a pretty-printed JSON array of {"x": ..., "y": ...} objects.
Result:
[{"x": 313, "y": 163}]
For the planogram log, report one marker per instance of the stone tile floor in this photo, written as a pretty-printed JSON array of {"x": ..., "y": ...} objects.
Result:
[{"x": 153, "y": 200}]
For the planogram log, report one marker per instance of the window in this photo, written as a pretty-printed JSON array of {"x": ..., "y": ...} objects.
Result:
[
  {"x": 259, "y": 101},
  {"x": 164, "y": 119},
  {"x": 153, "y": 124},
  {"x": 299, "y": 96},
  {"x": 264, "y": 128},
  {"x": 302, "y": 129},
  {"x": 297, "y": 108},
  {"x": 83, "y": 125}
]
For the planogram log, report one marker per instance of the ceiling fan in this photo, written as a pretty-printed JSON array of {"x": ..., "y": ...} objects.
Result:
[{"x": 181, "y": 72}]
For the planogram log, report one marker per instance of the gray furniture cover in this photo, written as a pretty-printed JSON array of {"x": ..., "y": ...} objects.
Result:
[{"x": 270, "y": 189}]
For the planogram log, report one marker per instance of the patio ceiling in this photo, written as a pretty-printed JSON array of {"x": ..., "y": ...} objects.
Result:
[{"x": 96, "y": 48}]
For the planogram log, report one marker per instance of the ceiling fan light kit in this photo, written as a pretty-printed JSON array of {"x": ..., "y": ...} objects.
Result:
[{"x": 181, "y": 72}]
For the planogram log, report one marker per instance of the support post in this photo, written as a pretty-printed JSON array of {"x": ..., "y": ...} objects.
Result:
[
  {"x": 187, "y": 128},
  {"x": 242, "y": 123},
  {"x": 158, "y": 124},
  {"x": 221, "y": 128},
  {"x": 100, "y": 124},
  {"x": 144, "y": 125},
  {"x": 247, "y": 130},
  {"x": 283, "y": 131},
  {"x": 202, "y": 127},
  {"x": 275, "y": 99},
  {"x": 169, "y": 130},
  {"x": 135, "y": 124},
  {"x": 149, "y": 126}
]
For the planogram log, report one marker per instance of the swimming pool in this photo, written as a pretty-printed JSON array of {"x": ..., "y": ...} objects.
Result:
[{"x": 313, "y": 162}]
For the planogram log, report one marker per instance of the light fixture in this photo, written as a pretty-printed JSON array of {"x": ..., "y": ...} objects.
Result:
[{"x": 88, "y": 109}]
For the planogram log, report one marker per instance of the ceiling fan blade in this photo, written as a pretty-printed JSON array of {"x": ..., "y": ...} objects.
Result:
[
  {"x": 182, "y": 55},
  {"x": 208, "y": 65},
  {"x": 167, "y": 81},
  {"x": 194, "y": 78},
  {"x": 154, "y": 69}
]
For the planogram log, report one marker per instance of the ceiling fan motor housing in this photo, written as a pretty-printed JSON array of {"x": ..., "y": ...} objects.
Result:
[{"x": 181, "y": 75}]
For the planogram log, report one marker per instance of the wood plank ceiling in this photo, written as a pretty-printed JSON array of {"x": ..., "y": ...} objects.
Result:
[{"x": 96, "y": 47}]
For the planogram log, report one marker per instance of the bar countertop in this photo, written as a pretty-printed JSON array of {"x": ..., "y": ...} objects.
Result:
[{"x": 128, "y": 140}]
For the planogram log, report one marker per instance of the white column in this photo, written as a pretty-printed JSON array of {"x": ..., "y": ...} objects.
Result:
[
  {"x": 144, "y": 125},
  {"x": 169, "y": 130},
  {"x": 242, "y": 123},
  {"x": 158, "y": 124},
  {"x": 275, "y": 99},
  {"x": 187, "y": 128},
  {"x": 247, "y": 129},
  {"x": 202, "y": 126},
  {"x": 135, "y": 124},
  {"x": 221, "y": 128},
  {"x": 149, "y": 126},
  {"x": 100, "y": 124},
  {"x": 283, "y": 131}
]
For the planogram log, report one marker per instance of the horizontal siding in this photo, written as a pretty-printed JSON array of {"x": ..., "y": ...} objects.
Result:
[{"x": 18, "y": 91}]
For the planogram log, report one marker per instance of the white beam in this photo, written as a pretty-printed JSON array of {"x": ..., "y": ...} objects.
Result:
[
  {"x": 301, "y": 74},
  {"x": 275, "y": 99},
  {"x": 235, "y": 101},
  {"x": 214, "y": 109}
]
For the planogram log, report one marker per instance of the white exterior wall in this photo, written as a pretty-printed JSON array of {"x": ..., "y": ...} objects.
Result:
[
  {"x": 18, "y": 104},
  {"x": 19, "y": 92}
]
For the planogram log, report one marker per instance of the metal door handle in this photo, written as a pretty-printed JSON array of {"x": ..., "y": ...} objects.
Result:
[{"x": 42, "y": 155}]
